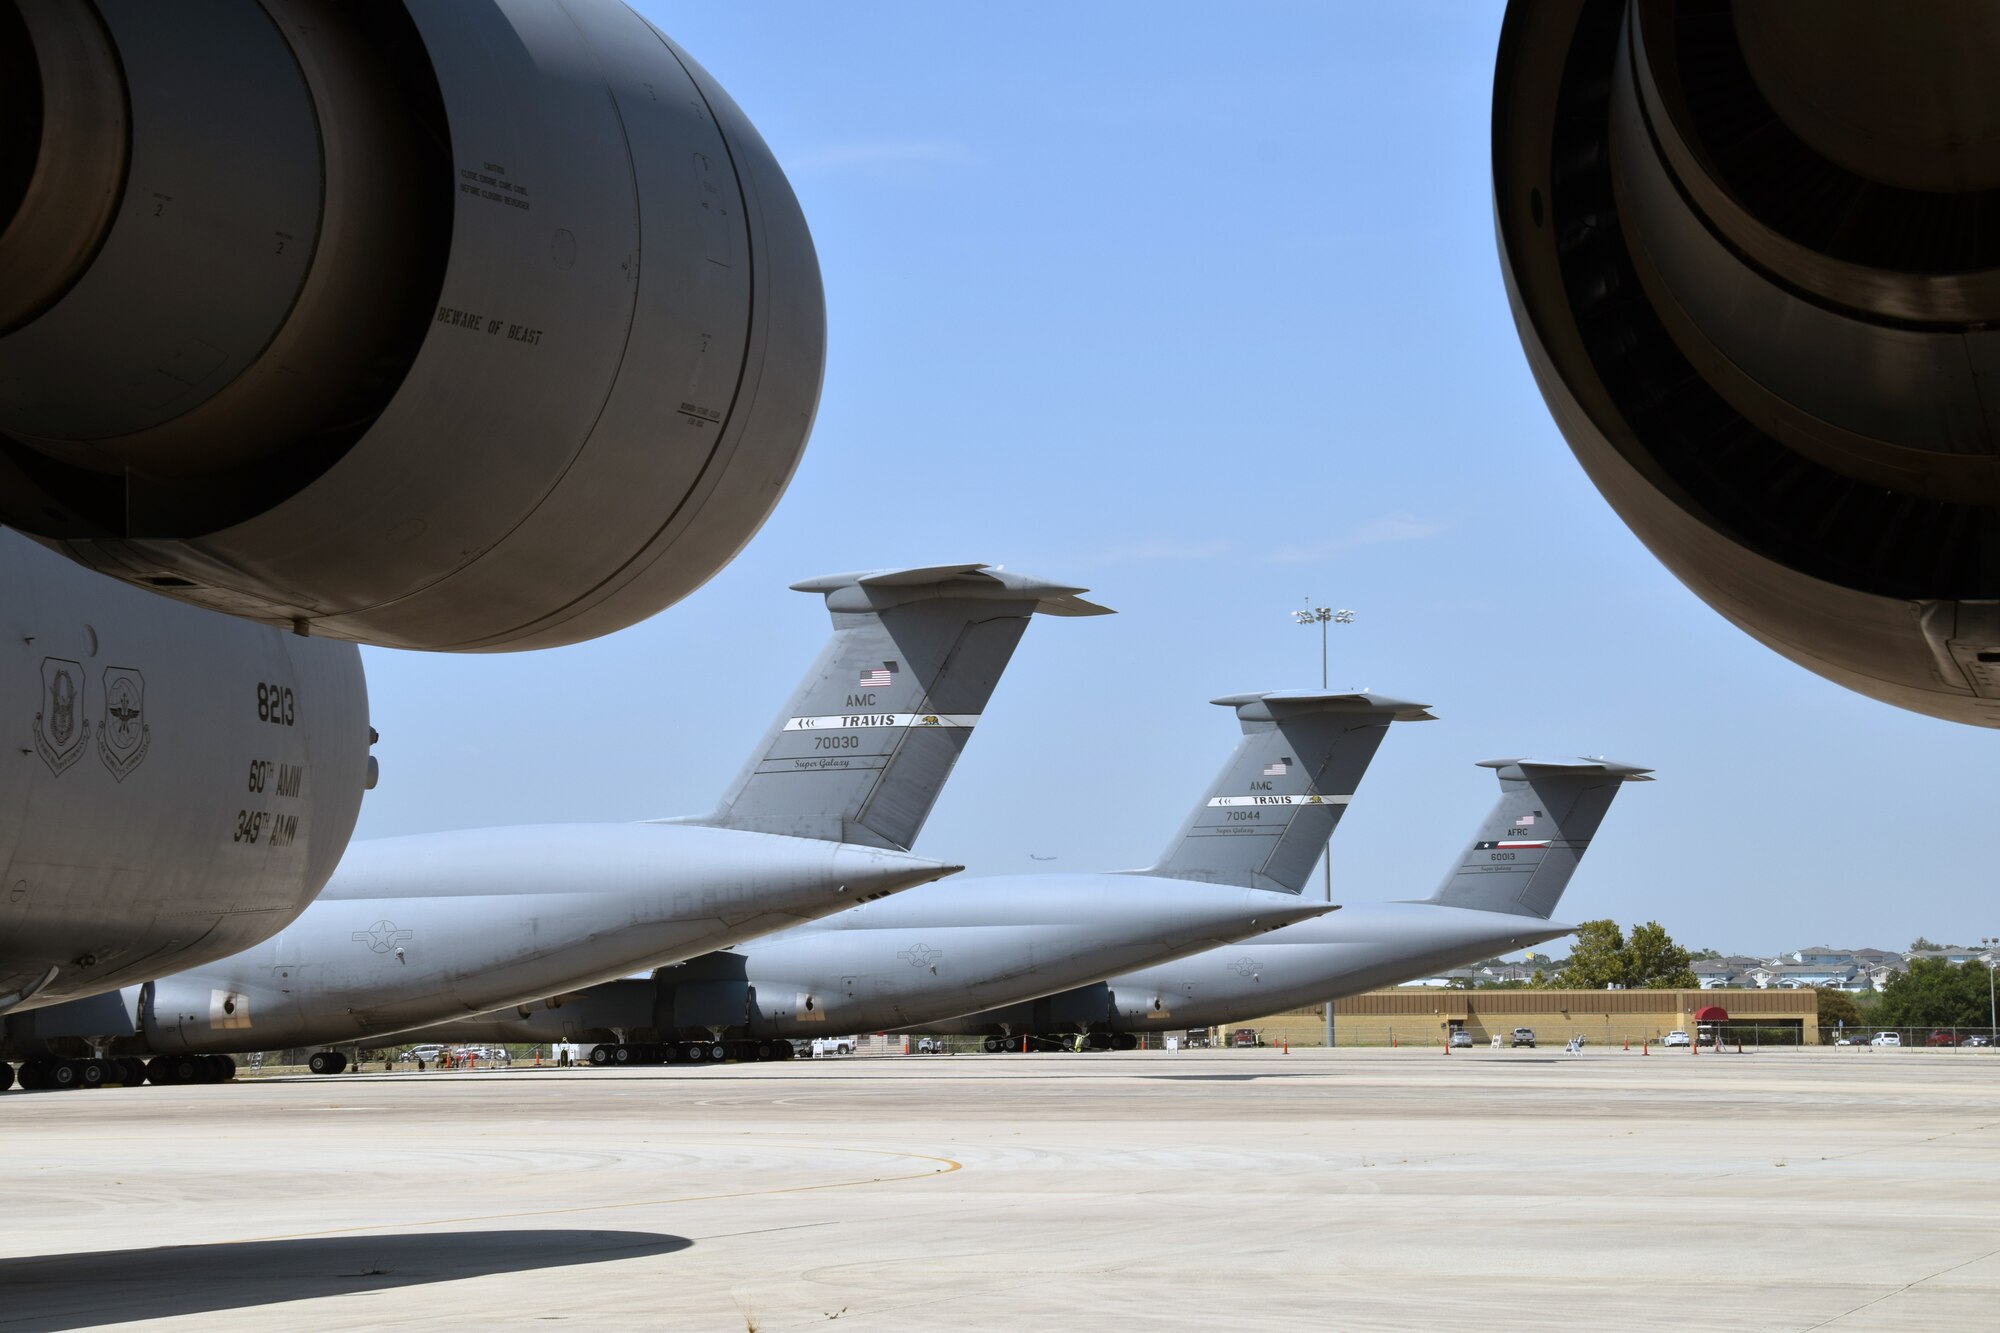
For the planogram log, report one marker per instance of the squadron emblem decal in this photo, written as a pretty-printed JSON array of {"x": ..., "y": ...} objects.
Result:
[
  {"x": 124, "y": 735},
  {"x": 382, "y": 936},
  {"x": 60, "y": 727}
]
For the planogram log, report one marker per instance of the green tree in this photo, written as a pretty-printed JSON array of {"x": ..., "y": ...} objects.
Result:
[
  {"x": 1922, "y": 945},
  {"x": 1837, "y": 1008},
  {"x": 1930, "y": 992},
  {"x": 1703, "y": 955},
  {"x": 1655, "y": 962},
  {"x": 1605, "y": 956},
  {"x": 1597, "y": 960}
]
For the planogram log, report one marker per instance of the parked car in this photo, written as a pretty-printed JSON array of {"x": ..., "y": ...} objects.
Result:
[
  {"x": 833, "y": 1045},
  {"x": 930, "y": 1046},
  {"x": 1524, "y": 1036},
  {"x": 1844, "y": 1041},
  {"x": 428, "y": 1054},
  {"x": 1461, "y": 1038},
  {"x": 1244, "y": 1037},
  {"x": 1939, "y": 1037},
  {"x": 1977, "y": 1039},
  {"x": 1678, "y": 1037},
  {"x": 1886, "y": 1039}
]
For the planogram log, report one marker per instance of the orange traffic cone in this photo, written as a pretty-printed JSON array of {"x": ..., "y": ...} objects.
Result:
[
  {"x": 1646, "y": 1048},
  {"x": 1288, "y": 1046}
]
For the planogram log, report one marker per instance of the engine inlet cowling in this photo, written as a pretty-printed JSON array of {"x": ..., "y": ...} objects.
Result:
[
  {"x": 458, "y": 325},
  {"x": 1753, "y": 251}
]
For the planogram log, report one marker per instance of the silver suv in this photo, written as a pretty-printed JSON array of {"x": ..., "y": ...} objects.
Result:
[{"x": 1524, "y": 1036}]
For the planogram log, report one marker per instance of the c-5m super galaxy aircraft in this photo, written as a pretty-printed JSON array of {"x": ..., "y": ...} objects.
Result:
[
  {"x": 328, "y": 320},
  {"x": 414, "y": 930},
  {"x": 1233, "y": 872},
  {"x": 1498, "y": 898}
]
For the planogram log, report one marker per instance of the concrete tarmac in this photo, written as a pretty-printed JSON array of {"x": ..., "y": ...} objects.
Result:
[{"x": 1204, "y": 1190}]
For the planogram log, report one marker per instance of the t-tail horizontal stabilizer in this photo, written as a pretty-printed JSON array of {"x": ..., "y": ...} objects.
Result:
[
  {"x": 1530, "y": 844},
  {"x": 863, "y": 749},
  {"x": 1267, "y": 818}
]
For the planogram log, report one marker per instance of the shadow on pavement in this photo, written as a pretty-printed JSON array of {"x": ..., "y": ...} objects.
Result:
[{"x": 61, "y": 1291}]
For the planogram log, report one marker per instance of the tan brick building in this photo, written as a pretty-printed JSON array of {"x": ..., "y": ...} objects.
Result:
[{"x": 1421, "y": 1015}]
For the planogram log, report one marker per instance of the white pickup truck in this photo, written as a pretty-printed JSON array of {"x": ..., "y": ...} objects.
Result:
[{"x": 833, "y": 1046}]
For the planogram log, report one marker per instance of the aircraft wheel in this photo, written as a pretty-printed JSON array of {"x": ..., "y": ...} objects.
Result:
[
  {"x": 186, "y": 1069},
  {"x": 762, "y": 1051},
  {"x": 623, "y": 1054},
  {"x": 64, "y": 1074},
  {"x": 6, "y": 1076},
  {"x": 600, "y": 1054},
  {"x": 994, "y": 1046},
  {"x": 694, "y": 1052},
  {"x": 326, "y": 1062},
  {"x": 160, "y": 1070},
  {"x": 1126, "y": 1041},
  {"x": 91, "y": 1073},
  {"x": 220, "y": 1068},
  {"x": 1098, "y": 1041},
  {"x": 670, "y": 1054},
  {"x": 131, "y": 1070},
  {"x": 718, "y": 1051}
]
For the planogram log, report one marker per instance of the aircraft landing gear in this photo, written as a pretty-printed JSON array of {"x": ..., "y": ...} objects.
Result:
[
  {"x": 6, "y": 1076},
  {"x": 600, "y": 1054},
  {"x": 324, "y": 1062},
  {"x": 1125, "y": 1041}
]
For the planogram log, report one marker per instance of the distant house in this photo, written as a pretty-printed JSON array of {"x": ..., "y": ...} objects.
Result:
[
  {"x": 1954, "y": 955},
  {"x": 1714, "y": 973},
  {"x": 1820, "y": 953},
  {"x": 1801, "y": 976}
]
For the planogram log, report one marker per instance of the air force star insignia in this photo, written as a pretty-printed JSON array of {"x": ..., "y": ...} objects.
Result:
[{"x": 382, "y": 936}]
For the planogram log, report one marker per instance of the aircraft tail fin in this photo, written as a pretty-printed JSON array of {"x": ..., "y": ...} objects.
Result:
[
  {"x": 862, "y": 750},
  {"x": 1268, "y": 815},
  {"x": 1530, "y": 843}
]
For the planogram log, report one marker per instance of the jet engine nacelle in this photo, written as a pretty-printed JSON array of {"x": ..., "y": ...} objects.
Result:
[
  {"x": 1753, "y": 251},
  {"x": 456, "y": 324},
  {"x": 183, "y": 784}
]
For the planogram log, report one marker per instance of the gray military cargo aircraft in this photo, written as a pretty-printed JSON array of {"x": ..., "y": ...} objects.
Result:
[
  {"x": 418, "y": 929},
  {"x": 1233, "y": 871},
  {"x": 181, "y": 783},
  {"x": 329, "y": 317},
  {"x": 1498, "y": 897}
]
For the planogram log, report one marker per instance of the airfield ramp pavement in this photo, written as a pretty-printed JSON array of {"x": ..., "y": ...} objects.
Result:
[{"x": 1212, "y": 1189}]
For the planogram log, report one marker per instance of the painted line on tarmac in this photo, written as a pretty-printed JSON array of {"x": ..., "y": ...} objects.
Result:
[{"x": 948, "y": 1165}]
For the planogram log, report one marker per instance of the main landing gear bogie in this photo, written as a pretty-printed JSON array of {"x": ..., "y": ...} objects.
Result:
[
  {"x": 48, "y": 1074},
  {"x": 619, "y": 1055}
]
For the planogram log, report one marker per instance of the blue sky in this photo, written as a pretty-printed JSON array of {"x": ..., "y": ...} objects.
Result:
[{"x": 1200, "y": 307}]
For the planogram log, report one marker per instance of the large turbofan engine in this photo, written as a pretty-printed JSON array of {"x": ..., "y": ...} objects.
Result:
[
  {"x": 1754, "y": 254},
  {"x": 456, "y": 324}
]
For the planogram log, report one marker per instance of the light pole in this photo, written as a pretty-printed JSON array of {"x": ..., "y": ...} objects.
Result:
[
  {"x": 1992, "y": 1019},
  {"x": 1324, "y": 616}
]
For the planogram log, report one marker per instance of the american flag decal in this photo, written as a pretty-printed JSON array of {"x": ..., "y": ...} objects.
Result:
[
  {"x": 1510, "y": 845},
  {"x": 1278, "y": 769},
  {"x": 879, "y": 678}
]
